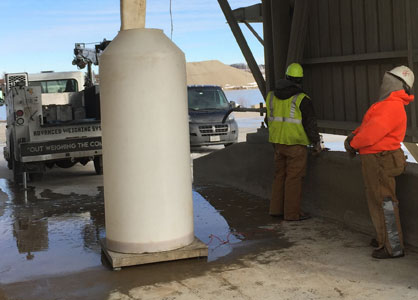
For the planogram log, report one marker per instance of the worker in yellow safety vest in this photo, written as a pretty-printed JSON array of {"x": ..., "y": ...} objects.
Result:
[{"x": 292, "y": 127}]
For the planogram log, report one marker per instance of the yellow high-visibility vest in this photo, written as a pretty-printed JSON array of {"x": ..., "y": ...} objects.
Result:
[{"x": 285, "y": 120}]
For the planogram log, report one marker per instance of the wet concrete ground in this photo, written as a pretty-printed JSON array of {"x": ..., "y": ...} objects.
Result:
[
  {"x": 49, "y": 241},
  {"x": 49, "y": 250}
]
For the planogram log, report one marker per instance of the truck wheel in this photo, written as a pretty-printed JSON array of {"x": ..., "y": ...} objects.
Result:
[
  {"x": 98, "y": 165},
  {"x": 36, "y": 176},
  {"x": 9, "y": 161},
  {"x": 65, "y": 164},
  {"x": 16, "y": 166},
  {"x": 49, "y": 165},
  {"x": 17, "y": 171}
]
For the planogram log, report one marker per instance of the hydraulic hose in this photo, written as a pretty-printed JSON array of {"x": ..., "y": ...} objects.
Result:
[{"x": 227, "y": 114}]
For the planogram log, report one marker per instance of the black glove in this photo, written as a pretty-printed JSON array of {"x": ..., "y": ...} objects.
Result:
[
  {"x": 317, "y": 148},
  {"x": 350, "y": 150}
]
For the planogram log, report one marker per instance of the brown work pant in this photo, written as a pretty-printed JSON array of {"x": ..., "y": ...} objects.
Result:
[
  {"x": 290, "y": 168},
  {"x": 379, "y": 171}
]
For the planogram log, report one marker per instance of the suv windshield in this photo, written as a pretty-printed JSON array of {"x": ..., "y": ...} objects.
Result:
[
  {"x": 204, "y": 98},
  {"x": 56, "y": 86}
]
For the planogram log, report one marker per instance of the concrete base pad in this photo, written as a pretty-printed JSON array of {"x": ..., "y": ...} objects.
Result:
[{"x": 118, "y": 260}]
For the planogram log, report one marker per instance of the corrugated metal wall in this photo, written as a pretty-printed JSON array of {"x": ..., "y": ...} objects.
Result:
[{"x": 349, "y": 45}]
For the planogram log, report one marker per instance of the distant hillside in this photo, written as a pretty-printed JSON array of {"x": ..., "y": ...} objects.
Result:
[{"x": 216, "y": 73}]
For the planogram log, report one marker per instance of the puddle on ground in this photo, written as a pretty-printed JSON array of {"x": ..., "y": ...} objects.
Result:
[
  {"x": 50, "y": 235},
  {"x": 212, "y": 229},
  {"x": 56, "y": 234}
]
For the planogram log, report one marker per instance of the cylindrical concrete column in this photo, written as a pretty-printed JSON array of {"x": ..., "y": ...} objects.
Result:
[
  {"x": 132, "y": 14},
  {"x": 146, "y": 152}
]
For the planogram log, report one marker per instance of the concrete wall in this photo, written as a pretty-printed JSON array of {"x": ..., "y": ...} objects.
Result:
[{"x": 333, "y": 186}]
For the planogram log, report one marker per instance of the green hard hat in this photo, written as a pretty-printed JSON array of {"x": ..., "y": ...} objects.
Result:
[{"x": 294, "y": 70}]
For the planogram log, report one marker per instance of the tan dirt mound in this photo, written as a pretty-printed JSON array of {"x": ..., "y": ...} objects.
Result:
[{"x": 214, "y": 72}]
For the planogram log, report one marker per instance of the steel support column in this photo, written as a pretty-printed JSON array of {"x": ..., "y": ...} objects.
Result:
[
  {"x": 298, "y": 31},
  {"x": 411, "y": 62},
  {"x": 268, "y": 45},
  {"x": 280, "y": 15}
]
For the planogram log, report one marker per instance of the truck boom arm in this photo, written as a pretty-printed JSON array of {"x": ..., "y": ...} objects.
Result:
[{"x": 86, "y": 56}]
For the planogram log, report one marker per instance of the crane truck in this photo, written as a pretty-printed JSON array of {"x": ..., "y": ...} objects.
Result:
[{"x": 51, "y": 120}]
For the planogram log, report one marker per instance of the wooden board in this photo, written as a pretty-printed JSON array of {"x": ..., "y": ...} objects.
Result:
[{"x": 118, "y": 260}]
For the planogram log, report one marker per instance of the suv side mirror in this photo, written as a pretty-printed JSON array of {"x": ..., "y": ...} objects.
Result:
[{"x": 232, "y": 104}]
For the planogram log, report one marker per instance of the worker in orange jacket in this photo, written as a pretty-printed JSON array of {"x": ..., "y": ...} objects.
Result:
[{"x": 378, "y": 140}]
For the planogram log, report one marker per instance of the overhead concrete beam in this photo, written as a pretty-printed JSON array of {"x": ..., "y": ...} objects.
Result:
[{"x": 250, "y": 14}]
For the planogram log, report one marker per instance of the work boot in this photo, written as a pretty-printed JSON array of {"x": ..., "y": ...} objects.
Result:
[
  {"x": 302, "y": 216},
  {"x": 383, "y": 254},
  {"x": 374, "y": 243}
]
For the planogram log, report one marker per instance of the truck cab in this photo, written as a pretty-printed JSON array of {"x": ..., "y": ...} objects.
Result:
[
  {"x": 210, "y": 119},
  {"x": 51, "y": 120}
]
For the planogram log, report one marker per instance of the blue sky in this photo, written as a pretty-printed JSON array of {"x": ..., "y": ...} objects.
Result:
[{"x": 40, "y": 35}]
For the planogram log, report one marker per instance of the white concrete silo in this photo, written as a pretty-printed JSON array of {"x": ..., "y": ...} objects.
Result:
[{"x": 146, "y": 152}]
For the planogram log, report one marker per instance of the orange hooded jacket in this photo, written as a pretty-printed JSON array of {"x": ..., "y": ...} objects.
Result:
[{"x": 384, "y": 125}]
